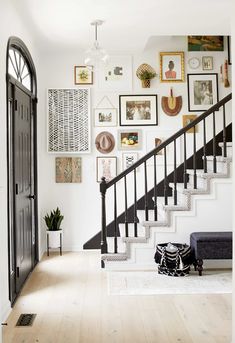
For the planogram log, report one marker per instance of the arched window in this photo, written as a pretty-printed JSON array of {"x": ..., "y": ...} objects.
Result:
[
  {"x": 20, "y": 65},
  {"x": 18, "y": 68}
]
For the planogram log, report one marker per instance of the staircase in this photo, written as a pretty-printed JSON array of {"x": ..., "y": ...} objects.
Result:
[{"x": 204, "y": 173}]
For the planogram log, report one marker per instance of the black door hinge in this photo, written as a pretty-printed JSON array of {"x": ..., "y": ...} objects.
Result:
[
  {"x": 17, "y": 188},
  {"x": 17, "y": 272},
  {"x": 16, "y": 104}
]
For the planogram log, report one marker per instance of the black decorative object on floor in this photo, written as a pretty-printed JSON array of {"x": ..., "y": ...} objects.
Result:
[
  {"x": 173, "y": 259},
  {"x": 26, "y": 319}
]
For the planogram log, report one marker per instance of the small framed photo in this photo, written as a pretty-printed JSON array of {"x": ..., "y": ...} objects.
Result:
[
  {"x": 105, "y": 116},
  {"x": 202, "y": 91},
  {"x": 129, "y": 139},
  {"x": 207, "y": 62},
  {"x": 138, "y": 110},
  {"x": 172, "y": 66},
  {"x": 106, "y": 167},
  {"x": 229, "y": 50},
  {"x": 187, "y": 119},
  {"x": 128, "y": 159},
  {"x": 83, "y": 75}
]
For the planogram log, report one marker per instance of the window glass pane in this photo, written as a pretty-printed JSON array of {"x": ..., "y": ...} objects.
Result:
[
  {"x": 11, "y": 70},
  {"x": 27, "y": 82}
]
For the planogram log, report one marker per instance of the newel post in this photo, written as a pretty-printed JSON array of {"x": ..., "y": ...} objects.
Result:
[{"x": 103, "y": 243}]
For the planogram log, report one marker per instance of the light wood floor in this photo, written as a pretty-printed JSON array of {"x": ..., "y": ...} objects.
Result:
[{"x": 69, "y": 295}]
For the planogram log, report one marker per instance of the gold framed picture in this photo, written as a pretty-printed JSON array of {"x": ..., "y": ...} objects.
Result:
[
  {"x": 83, "y": 75},
  {"x": 187, "y": 119},
  {"x": 172, "y": 66}
]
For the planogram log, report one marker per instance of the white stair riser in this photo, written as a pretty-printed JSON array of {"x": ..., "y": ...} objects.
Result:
[
  {"x": 221, "y": 167},
  {"x": 201, "y": 183},
  {"x": 121, "y": 245},
  {"x": 131, "y": 232},
  {"x": 229, "y": 151}
]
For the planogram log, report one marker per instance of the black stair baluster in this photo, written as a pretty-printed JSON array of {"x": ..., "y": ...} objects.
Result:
[
  {"x": 214, "y": 146},
  {"x": 175, "y": 175},
  {"x": 185, "y": 162},
  {"x": 165, "y": 178},
  {"x": 126, "y": 217},
  {"x": 135, "y": 206},
  {"x": 204, "y": 147},
  {"x": 115, "y": 219},
  {"x": 224, "y": 134},
  {"x": 103, "y": 244},
  {"x": 155, "y": 189},
  {"x": 146, "y": 192},
  {"x": 194, "y": 159}
]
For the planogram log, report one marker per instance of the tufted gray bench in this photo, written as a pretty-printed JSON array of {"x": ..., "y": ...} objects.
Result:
[{"x": 210, "y": 246}]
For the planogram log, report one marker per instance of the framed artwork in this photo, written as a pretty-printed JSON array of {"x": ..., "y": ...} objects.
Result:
[
  {"x": 128, "y": 159},
  {"x": 83, "y": 75},
  {"x": 68, "y": 120},
  {"x": 138, "y": 110},
  {"x": 202, "y": 91},
  {"x": 229, "y": 50},
  {"x": 105, "y": 116},
  {"x": 116, "y": 74},
  {"x": 172, "y": 66},
  {"x": 68, "y": 169},
  {"x": 154, "y": 139},
  {"x": 106, "y": 167},
  {"x": 187, "y": 119},
  {"x": 207, "y": 62},
  {"x": 129, "y": 140},
  {"x": 205, "y": 43}
]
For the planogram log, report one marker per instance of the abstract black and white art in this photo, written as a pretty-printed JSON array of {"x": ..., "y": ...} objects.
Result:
[{"x": 69, "y": 120}]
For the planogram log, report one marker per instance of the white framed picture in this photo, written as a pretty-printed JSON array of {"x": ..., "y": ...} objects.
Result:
[
  {"x": 68, "y": 121},
  {"x": 128, "y": 159},
  {"x": 157, "y": 137},
  {"x": 207, "y": 62},
  {"x": 130, "y": 139},
  {"x": 106, "y": 167},
  {"x": 116, "y": 74},
  {"x": 105, "y": 116}
]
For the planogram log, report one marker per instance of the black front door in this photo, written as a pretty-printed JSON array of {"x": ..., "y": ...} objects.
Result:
[{"x": 22, "y": 183}]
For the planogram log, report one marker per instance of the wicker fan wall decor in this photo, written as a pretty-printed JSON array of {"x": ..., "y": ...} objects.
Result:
[{"x": 172, "y": 105}]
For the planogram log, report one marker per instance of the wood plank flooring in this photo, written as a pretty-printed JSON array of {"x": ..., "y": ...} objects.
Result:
[{"x": 69, "y": 295}]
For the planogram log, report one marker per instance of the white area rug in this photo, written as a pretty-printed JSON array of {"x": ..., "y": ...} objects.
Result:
[{"x": 150, "y": 282}]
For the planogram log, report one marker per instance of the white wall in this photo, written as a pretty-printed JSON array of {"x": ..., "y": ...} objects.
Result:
[
  {"x": 11, "y": 25},
  {"x": 80, "y": 203}
]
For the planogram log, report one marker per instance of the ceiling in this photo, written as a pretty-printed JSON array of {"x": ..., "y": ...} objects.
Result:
[{"x": 129, "y": 24}]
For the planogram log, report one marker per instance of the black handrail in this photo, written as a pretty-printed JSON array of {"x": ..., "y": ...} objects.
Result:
[{"x": 164, "y": 144}]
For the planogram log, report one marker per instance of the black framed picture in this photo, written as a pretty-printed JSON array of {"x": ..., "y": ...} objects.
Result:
[
  {"x": 229, "y": 50},
  {"x": 138, "y": 110},
  {"x": 202, "y": 91}
]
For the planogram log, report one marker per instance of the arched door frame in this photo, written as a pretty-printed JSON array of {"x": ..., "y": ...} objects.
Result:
[{"x": 18, "y": 45}]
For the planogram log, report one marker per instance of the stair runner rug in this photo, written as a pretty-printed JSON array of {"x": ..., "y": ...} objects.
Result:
[{"x": 150, "y": 282}]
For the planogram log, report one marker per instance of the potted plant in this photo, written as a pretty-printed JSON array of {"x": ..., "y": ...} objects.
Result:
[
  {"x": 146, "y": 76},
  {"x": 53, "y": 223}
]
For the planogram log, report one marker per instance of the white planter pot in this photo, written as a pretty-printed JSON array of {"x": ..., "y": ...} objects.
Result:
[{"x": 54, "y": 238}]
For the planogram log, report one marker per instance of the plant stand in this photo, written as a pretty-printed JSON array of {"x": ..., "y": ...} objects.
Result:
[{"x": 49, "y": 239}]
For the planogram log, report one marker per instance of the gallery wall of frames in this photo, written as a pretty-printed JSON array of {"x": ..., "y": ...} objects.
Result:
[{"x": 101, "y": 119}]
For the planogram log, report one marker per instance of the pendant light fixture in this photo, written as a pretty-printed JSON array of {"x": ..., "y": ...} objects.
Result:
[{"x": 96, "y": 53}]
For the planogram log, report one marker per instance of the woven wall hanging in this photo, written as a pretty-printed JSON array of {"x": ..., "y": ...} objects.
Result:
[
  {"x": 172, "y": 105},
  {"x": 69, "y": 120}
]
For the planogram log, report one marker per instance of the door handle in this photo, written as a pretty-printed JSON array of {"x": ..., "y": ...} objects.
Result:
[{"x": 32, "y": 197}]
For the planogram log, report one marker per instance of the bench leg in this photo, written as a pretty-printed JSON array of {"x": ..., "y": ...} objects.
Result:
[
  {"x": 200, "y": 267},
  {"x": 195, "y": 265}
]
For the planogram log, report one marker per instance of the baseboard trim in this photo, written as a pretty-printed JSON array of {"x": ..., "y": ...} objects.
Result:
[{"x": 6, "y": 310}]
